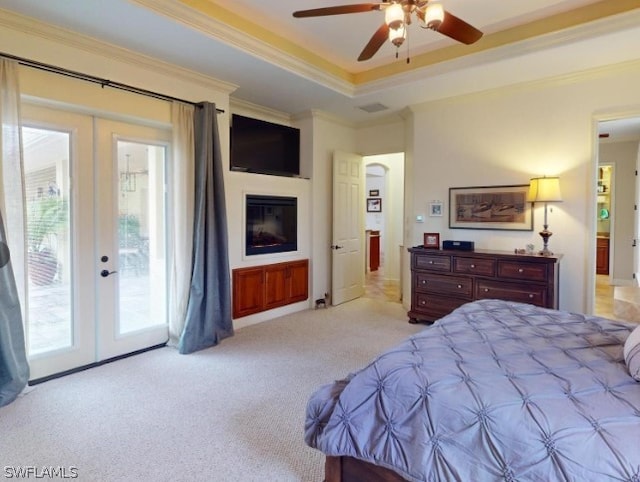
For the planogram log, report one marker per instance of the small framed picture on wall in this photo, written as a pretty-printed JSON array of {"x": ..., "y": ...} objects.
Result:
[
  {"x": 436, "y": 208},
  {"x": 431, "y": 240},
  {"x": 374, "y": 205}
]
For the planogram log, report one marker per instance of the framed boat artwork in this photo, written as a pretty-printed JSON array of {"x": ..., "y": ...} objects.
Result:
[{"x": 490, "y": 207}]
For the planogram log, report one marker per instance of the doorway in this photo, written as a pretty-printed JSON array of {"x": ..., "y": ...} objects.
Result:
[
  {"x": 95, "y": 203},
  {"x": 616, "y": 223},
  {"x": 384, "y": 226}
]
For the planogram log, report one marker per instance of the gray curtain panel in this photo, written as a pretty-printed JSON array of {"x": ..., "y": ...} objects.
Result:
[
  {"x": 208, "y": 317},
  {"x": 14, "y": 369}
]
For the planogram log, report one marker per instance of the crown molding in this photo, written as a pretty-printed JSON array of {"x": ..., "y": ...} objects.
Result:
[
  {"x": 317, "y": 114},
  {"x": 179, "y": 11},
  {"x": 555, "y": 39},
  {"x": 618, "y": 69},
  {"x": 243, "y": 107},
  {"x": 78, "y": 41}
]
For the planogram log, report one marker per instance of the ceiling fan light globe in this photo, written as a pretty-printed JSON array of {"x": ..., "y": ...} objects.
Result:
[
  {"x": 397, "y": 36},
  {"x": 434, "y": 15},
  {"x": 394, "y": 16}
]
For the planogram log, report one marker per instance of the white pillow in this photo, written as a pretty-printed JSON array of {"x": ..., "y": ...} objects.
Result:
[{"x": 632, "y": 353}]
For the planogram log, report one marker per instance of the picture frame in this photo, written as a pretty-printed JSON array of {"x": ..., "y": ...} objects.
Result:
[
  {"x": 490, "y": 207},
  {"x": 436, "y": 208},
  {"x": 431, "y": 241},
  {"x": 374, "y": 192},
  {"x": 374, "y": 205}
]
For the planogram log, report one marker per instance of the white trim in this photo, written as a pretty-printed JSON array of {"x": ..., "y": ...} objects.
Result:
[{"x": 35, "y": 28}]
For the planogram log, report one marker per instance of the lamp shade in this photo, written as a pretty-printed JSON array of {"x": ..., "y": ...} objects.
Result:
[
  {"x": 394, "y": 16},
  {"x": 434, "y": 15},
  {"x": 544, "y": 189}
]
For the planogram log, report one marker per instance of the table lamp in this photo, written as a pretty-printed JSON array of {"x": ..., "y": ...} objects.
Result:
[{"x": 546, "y": 190}]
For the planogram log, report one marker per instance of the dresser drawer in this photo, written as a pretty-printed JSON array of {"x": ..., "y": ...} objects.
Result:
[
  {"x": 447, "y": 285},
  {"x": 431, "y": 262},
  {"x": 522, "y": 292},
  {"x": 478, "y": 266},
  {"x": 433, "y": 307},
  {"x": 523, "y": 271}
]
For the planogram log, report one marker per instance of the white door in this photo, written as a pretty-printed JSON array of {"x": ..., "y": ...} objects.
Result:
[
  {"x": 131, "y": 261},
  {"x": 347, "y": 244},
  {"x": 60, "y": 294},
  {"x": 92, "y": 210}
]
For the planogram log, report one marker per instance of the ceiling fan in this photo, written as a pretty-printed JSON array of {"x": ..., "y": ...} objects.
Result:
[{"x": 398, "y": 13}]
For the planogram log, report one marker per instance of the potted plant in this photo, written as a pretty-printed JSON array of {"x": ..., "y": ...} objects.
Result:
[{"x": 46, "y": 217}]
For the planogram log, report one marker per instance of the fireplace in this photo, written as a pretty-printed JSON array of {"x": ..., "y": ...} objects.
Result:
[{"x": 271, "y": 224}]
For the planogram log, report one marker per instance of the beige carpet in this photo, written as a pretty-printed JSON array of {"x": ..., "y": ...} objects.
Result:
[{"x": 230, "y": 413}]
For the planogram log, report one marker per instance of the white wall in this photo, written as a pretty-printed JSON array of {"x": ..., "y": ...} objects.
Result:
[
  {"x": 623, "y": 156},
  {"x": 328, "y": 135},
  {"x": 509, "y": 135}
]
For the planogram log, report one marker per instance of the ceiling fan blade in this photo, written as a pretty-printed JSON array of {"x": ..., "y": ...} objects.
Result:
[
  {"x": 376, "y": 41},
  {"x": 339, "y": 10},
  {"x": 458, "y": 29}
]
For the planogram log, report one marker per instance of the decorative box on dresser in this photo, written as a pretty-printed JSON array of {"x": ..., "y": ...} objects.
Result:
[{"x": 441, "y": 280}]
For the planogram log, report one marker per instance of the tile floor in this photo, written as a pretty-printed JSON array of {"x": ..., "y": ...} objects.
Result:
[{"x": 377, "y": 288}]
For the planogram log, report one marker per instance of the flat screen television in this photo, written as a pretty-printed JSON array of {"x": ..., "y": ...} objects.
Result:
[{"x": 263, "y": 147}]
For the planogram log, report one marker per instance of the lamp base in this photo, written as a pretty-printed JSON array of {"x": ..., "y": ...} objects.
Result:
[{"x": 546, "y": 234}]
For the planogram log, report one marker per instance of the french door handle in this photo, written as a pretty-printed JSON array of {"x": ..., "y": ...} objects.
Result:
[
  {"x": 105, "y": 272},
  {"x": 335, "y": 246}
]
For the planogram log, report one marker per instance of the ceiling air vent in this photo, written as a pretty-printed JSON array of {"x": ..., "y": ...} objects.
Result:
[{"x": 371, "y": 108}]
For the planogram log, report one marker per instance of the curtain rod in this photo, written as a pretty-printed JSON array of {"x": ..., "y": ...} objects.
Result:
[{"x": 96, "y": 80}]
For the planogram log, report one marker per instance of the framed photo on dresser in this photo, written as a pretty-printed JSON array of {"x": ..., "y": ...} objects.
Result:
[{"x": 431, "y": 240}]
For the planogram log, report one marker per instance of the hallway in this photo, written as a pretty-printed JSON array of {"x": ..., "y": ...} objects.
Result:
[
  {"x": 604, "y": 297},
  {"x": 376, "y": 288}
]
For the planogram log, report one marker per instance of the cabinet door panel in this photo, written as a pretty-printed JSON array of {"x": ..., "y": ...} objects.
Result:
[
  {"x": 248, "y": 294},
  {"x": 298, "y": 281},
  {"x": 275, "y": 285}
]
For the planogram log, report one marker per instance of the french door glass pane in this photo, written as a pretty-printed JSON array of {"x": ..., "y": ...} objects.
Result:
[
  {"x": 49, "y": 297},
  {"x": 141, "y": 236}
]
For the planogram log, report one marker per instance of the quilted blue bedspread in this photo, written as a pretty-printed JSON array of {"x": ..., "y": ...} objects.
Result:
[{"x": 494, "y": 391}]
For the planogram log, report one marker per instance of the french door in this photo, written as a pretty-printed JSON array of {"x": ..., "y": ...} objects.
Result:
[{"x": 96, "y": 235}]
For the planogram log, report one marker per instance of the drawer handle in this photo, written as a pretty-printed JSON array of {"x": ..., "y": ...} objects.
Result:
[
  {"x": 430, "y": 262},
  {"x": 459, "y": 287},
  {"x": 486, "y": 290},
  {"x": 423, "y": 302},
  {"x": 520, "y": 270},
  {"x": 472, "y": 266},
  {"x": 424, "y": 281},
  {"x": 531, "y": 296}
]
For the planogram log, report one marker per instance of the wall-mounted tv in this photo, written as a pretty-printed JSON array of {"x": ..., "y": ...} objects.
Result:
[{"x": 263, "y": 147}]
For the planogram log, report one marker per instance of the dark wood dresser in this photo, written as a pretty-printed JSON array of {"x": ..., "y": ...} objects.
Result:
[{"x": 442, "y": 280}]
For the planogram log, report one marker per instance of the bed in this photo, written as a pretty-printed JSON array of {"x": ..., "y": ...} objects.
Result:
[{"x": 495, "y": 390}]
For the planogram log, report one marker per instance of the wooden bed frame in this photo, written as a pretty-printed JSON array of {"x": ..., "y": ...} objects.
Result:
[{"x": 349, "y": 469}]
